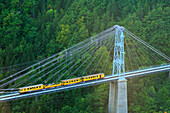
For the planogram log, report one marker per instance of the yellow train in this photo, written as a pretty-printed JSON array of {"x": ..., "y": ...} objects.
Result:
[
  {"x": 31, "y": 88},
  {"x": 62, "y": 83}
]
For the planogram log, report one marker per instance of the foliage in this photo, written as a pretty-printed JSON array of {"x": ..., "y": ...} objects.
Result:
[{"x": 35, "y": 29}]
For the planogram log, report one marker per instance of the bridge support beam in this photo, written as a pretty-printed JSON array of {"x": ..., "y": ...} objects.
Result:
[{"x": 118, "y": 97}]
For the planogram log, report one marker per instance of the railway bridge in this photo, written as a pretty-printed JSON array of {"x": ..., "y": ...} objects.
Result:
[{"x": 116, "y": 52}]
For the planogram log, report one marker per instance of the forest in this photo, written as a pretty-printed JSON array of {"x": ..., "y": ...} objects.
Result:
[{"x": 31, "y": 30}]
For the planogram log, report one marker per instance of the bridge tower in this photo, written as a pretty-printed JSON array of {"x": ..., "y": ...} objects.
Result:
[{"x": 118, "y": 90}]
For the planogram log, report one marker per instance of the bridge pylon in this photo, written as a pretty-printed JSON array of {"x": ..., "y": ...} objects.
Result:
[{"x": 118, "y": 90}]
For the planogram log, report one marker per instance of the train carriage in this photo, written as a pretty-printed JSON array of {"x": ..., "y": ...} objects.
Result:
[
  {"x": 93, "y": 77},
  {"x": 52, "y": 85},
  {"x": 71, "y": 81},
  {"x": 31, "y": 88}
]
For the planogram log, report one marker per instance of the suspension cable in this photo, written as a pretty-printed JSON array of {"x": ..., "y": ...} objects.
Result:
[
  {"x": 85, "y": 68},
  {"x": 69, "y": 69},
  {"x": 149, "y": 46}
]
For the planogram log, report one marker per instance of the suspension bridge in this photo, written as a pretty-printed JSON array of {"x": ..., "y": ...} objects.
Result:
[{"x": 116, "y": 52}]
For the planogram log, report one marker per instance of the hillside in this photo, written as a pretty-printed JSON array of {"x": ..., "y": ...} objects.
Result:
[{"x": 36, "y": 29}]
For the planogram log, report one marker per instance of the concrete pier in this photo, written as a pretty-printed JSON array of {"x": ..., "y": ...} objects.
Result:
[
  {"x": 112, "y": 106},
  {"x": 122, "y": 106},
  {"x": 118, "y": 97}
]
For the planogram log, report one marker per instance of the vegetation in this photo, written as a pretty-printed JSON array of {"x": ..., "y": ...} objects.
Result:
[{"x": 35, "y": 29}]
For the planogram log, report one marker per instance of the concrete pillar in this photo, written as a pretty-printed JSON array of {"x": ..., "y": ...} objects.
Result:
[
  {"x": 112, "y": 106},
  {"x": 118, "y": 97},
  {"x": 122, "y": 106}
]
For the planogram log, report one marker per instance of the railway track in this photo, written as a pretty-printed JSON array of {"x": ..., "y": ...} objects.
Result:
[{"x": 109, "y": 78}]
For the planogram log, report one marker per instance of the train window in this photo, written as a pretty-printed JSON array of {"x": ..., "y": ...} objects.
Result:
[
  {"x": 91, "y": 77},
  {"x": 77, "y": 80},
  {"x": 27, "y": 88},
  {"x": 39, "y": 86},
  {"x": 71, "y": 81},
  {"x": 97, "y": 76}
]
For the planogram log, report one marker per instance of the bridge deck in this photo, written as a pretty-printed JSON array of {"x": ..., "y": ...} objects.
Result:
[{"x": 106, "y": 79}]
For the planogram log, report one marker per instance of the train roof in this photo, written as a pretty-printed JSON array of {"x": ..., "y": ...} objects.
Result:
[
  {"x": 31, "y": 86},
  {"x": 93, "y": 75},
  {"x": 81, "y": 77},
  {"x": 71, "y": 79}
]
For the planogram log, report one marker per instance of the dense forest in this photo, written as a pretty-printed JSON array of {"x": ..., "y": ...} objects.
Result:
[{"x": 31, "y": 30}]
